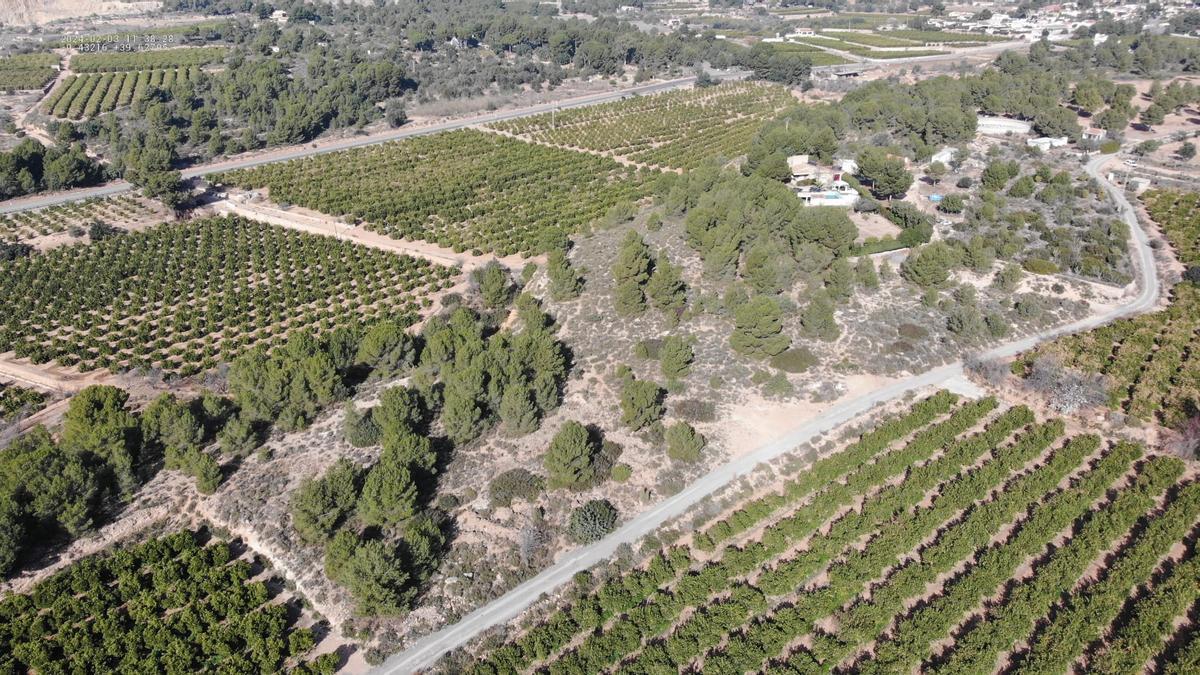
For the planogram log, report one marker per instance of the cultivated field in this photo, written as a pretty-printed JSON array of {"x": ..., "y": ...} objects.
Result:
[
  {"x": 80, "y": 96},
  {"x": 465, "y": 190},
  {"x": 171, "y": 602},
  {"x": 943, "y": 540},
  {"x": 184, "y": 297},
  {"x": 1150, "y": 362},
  {"x": 26, "y": 71},
  {"x": 123, "y": 211},
  {"x": 677, "y": 129},
  {"x": 157, "y": 59},
  {"x": 828, "y": 41},
  {"x": 16, "y": 401}
]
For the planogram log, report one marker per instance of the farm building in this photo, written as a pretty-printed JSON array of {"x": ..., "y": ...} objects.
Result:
[{"x": 1000, "y": 126}]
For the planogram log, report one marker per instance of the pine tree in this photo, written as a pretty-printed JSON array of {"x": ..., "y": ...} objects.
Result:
[
  {"x": 359, "y": 428},
  {"x": 414, "y": 450},
  {"x": 761, "y": 270},
  {"x": 631, "y": 271},
  {"x": 517, "y": 411},
  {"x": 641, "y": 404},
  {"x": 684, "y": 443},
  {"x": 839, "y": 280},
  {"x": 495, "y": 286},
  {"x": 569, "y": 460},
  {"x": 665, "y": 288},
  {"x": 208, "y": 474},
  {"x": 389, "y": 495},
  {"x": 817, "y": 318},
  {"x": 629, "y": 298},
  {"x": 565, "y": 281},
  {"x": 675, "y": 357},
  {"x": 864, "y": 273},
  {"x": 758, "y": 326}
]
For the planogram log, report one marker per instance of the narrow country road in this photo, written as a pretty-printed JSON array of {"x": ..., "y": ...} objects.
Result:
[
  {"x": 425, "y": 652},
  {"x": 320, "y": 148}
]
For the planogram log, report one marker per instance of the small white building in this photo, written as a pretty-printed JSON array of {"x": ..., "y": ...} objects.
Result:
[
  {"x": 945, "y": 155},
  {"x": 1044, "y": 143},
  {"x": 1094, "y": 134},
  {"x": 1001, "y": 126},
  {"x": 848, "y": 166}
]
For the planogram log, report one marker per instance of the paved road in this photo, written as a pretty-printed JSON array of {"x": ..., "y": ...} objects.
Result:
[
  {"x": 310, "y": 149},
  {"x": 425, "y": 652}
]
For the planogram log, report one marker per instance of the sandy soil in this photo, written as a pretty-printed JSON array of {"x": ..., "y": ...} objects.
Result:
[
  {"x": 313, "y": 222},
  {"x": 872, "y": 225},
  {"x": 34, "y": 12}
]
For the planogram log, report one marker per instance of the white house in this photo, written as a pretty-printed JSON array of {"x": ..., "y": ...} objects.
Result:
[
  {"x": 1044, "y": 143},
  {"x": 1094, "y": 134},
  {"x": 838, "y": 193}
]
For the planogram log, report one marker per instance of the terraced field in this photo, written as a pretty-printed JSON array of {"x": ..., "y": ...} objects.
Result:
[
  {"x": 465, "y": 190},
  {"x": 1152, "y": 361},
  {"x": 80, "y": 96},
  {"x": 946, "y": 539},
  {"x": 27, "y": 71},
  {"x": 183, "y": 297},
  {"x": 677, "y": 129}
]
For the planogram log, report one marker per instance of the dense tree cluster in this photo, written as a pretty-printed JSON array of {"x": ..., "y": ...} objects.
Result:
[
  {"x": 381, "y": 539},
  {"x": 51, "y": 490},
  {"x": 728, "y": 217},
  {"x": 31, "y": 167}
]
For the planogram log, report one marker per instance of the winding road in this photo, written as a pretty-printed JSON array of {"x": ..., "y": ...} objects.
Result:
[{"x": 425, "y": 652}]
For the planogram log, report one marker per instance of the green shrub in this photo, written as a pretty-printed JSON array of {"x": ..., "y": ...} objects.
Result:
[
  {"x": 794, "y": 360},
  {"x": 621, "y": 472},
  {"x": 515, "y": 484},
  {"x": 1040, "y": 266},
  {"x": 592, "y": 521},
  {"x": 684, "y": 443}
]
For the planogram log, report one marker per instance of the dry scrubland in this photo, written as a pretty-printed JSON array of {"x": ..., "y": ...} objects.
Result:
[
  {"x": 1148, "y": 363},
  {"x": 943, "y": 539}
]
